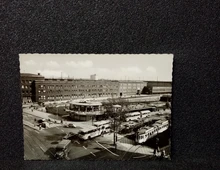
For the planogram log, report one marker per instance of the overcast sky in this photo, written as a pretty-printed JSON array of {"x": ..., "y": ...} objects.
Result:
[{"x": 106, "y": 66}]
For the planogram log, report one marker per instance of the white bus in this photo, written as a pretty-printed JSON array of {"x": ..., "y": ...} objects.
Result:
[
  {"x": 89, "y": 132},
  {"x": 104, "y": 125},
  {"x": 132, "y": 116},
  {"x": 145, "y": 113}
]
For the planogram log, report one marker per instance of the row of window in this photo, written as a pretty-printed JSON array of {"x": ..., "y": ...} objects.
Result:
[
  {"x": 74, "y": 86},
  {"x": 26, "y": 81},
  {"x": 78, "y": 90},
  {"x": 75, "y": 96},
  {"x": 131, "y": 84},
  {"x": 25, "y": 87}
]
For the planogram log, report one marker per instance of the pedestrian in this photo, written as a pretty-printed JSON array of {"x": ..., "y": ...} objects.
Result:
[
  {"x": 156, "y": 149},
  {"x": 162, "y": 155}
]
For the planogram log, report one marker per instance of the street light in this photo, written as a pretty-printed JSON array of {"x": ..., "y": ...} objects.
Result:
[{"x": 115, "y": 107}]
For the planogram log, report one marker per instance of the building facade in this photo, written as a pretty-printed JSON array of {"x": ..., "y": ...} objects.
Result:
[
  {"x": 131, "y": 87},
  {"x": 27, "y": 83},
  {"x": 36, "y": 88},
  {"x": 157, "y": 87},
  {"x": 60, "y": 89}
]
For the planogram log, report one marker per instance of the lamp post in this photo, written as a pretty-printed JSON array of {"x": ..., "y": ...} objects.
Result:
[{"x": 115, "y": 134}]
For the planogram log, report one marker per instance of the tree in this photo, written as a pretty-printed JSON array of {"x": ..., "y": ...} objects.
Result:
[{"x": 116, "y": 109}]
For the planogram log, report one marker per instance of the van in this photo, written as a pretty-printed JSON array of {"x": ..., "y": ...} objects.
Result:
[{"x": 62, "y": 149}]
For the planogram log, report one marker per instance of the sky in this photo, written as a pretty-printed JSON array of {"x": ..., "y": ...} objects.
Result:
[{"x": 106, "y": 66}]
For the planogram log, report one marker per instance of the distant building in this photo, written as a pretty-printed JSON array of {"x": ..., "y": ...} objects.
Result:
[
  {"x": 157, "y": 87},
  {"x": 131, "y": 87},
  {"x": 93, "y": 77}
]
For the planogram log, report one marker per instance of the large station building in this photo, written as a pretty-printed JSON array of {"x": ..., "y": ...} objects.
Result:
[{"x": 37, "y": 88}]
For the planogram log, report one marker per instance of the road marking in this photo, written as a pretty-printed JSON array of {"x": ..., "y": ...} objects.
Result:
[
  {"x": 106, "y": 149},
  {"x": 42, "y": 149},
  {"x": 77, "y": 142},
  {"x": 37, "y": 131},
  {"x": 92, "y": 153},
  {"x": 140, "y": 156},
  {"x": 84, "y": 147}
]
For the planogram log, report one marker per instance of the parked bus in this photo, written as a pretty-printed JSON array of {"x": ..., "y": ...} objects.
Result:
[
  {"x": 132, "y": 116},
  {"x": 145, "y": 113},
  {"x": 62, "y": 149},
  {"x": 104, "y": 125},
  {"x": 136, "y": 115}
]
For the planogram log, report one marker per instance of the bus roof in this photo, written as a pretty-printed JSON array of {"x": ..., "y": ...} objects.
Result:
[
  {"x": 63, "y": 143},
  {"x": 132, "y": 113},
  {"x": 87, "y": 129},
  {"x": 145, "y": 111}
]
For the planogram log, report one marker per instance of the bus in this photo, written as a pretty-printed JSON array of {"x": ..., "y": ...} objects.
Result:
[
  {"x": 145, "y": 133},
  {"x": 89, "y": 132},
  {"x": 104, "y": 125},
  {"x": 62, "y": 149},
  {"x": 136, "y": 115},
  {"x": 145, "y": 113},
  {"x": 132, "y": 116}
]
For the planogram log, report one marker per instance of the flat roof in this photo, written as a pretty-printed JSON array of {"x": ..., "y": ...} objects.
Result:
[
  {"x": 30, "y": 75},
  {"x": 86, "y": 103},
  {"x": 85, "y": 113}
]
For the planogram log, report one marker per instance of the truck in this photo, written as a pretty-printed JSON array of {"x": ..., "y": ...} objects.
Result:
[{"x": 62, "y": 149}]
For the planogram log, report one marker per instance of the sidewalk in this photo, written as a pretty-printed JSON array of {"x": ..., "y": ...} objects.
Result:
[{"x": 141, "y": 149}]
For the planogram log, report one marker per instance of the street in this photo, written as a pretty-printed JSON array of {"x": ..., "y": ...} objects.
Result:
[{"x": 39, "y": 144}]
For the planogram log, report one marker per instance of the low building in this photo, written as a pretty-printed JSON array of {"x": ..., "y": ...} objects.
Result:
[
  {"x": 57, "y": 109},
  {"x": 84, "y": 111},
  {"x": 157, "y": 87}
]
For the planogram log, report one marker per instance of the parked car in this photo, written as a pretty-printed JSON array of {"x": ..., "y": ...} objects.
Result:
[
  {"x": 70, "y": 125},
  {"x": 41, "y": 120}
]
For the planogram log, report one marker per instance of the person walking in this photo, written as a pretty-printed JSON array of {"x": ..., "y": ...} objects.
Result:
[
  {"x": 156, "y": 149},
  {"x": 162, "y": 156}
]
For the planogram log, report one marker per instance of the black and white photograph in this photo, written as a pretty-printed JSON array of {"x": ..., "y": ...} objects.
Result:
[{"x": 96, "y": 106}]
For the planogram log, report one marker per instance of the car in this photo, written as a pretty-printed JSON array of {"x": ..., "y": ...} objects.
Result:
[
  {"x": 70, "y": 125},
  {"x": 69, "y": 135},
  {"x": 41, "y": 120}
]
